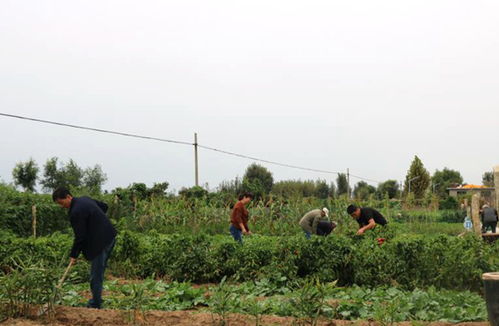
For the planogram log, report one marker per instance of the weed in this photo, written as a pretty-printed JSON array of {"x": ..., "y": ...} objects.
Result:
[
  {"x": 311, "y": 301},
  {"x": 26, "y": 288},
  {"x": 221, "y": 302}
]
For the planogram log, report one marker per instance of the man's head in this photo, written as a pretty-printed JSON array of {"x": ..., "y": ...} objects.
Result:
[
  {"x": 353, "y": 211},
  {"x": 62, "y": 197},
  {"x": 325, "y": 212},
  {"x": 246, "y": 197}
]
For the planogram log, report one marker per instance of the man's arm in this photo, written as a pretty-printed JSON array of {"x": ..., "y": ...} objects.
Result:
[
  {"x": 369, "y": 226},
  {"x": 370, "y": 222},
  {"x": 79, "y": 224}
]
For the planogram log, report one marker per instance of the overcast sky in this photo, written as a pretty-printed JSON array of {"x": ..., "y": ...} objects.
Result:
[{"x": 364, "y": 85}]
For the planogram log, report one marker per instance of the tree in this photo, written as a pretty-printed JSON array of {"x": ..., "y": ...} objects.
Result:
[
  {"x": 449, "y": 203},
  {"x": 138, "y": 190},
  {"x": 159, "y": 189},
  {"x": 94, "y": 178},
  {"x": 342, "y": 184},
  {"x": 193, "y": 192},
  {"x": 389, "y": 187},
  {"x": 362, "y": 190},
  {"x": 52, "y": 177},
  {"x": 25, "y": 175},
  {"x": 258, "y": 180},
  {"x": 420, "y": 179},
  {"x": 72, "y": 175},
  {"x": 441, "y": 180},
  {"x": 332, "y": 190},
  {"x": 234, "y": 187},
  {"x": 295, "y": 188},
  {"x": 321, "y": 190},
  {"x": 488, "y": 179}
]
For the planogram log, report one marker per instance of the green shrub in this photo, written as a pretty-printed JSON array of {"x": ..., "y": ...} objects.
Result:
[
  {"x": 449, "y": 203},
  {"x": 410, "y": 261}
]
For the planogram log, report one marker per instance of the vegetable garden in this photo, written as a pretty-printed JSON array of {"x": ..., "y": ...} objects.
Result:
[{"x": 175, "y": 254}]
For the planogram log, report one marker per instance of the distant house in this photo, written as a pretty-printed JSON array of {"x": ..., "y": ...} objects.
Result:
[{"x": 486, "y": 193}]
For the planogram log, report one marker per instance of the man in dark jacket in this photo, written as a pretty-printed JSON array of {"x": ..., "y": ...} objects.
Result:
[
  {"x": 94, "y": 236},
  {"x": 367, "y": 217},
  {"x": 489, "y": 218},
  {"x": 314, "y": 223}
]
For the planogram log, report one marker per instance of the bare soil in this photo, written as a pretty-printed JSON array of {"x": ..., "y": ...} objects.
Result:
[{"x": 69, "y": 316}]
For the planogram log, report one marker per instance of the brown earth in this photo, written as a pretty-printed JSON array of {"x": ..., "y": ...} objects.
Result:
[{"x": 69, "y": 316}]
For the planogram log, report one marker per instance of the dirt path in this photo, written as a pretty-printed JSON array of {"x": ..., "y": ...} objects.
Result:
[{"x": 68, "y": 316}]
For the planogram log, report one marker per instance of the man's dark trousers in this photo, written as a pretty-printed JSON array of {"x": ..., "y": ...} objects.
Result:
[
  {"x": 97, "y": 270},
  {"x": 486, "y": 225}
]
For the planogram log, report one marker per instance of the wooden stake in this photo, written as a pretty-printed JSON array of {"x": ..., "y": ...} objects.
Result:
[
  {"x": 475, "y": 213},
  {"x": 33, "y": 221}
]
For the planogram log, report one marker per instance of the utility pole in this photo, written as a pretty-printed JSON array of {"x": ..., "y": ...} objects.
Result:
[
  {"x": 348, "y": 183},
  {"x": 496, "y": 185},
  {"x": 196, "y": 171}
]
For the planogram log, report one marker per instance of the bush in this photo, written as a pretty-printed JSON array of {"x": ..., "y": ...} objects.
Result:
[
  {"x": 415, "y": 261},
  {"x": 16, "y": 213},
  {"x": 452, "y": 216},
  {"x": 449, "y": 203}
]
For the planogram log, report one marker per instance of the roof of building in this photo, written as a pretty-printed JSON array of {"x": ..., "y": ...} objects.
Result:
[{"x": 471, "y": 187}]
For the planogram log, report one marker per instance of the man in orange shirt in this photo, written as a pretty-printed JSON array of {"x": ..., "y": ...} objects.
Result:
[{"x": 239, "y": 218}]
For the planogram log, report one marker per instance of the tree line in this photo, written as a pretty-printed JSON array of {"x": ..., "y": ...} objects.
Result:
[
  {"x": 57, "y": 173},
  {"x": 257, "y": 179}
]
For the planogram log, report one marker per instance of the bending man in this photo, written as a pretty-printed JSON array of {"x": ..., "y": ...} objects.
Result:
[
  {"x": 94, "y": 236},
  {"x": 313, "y": 223},
  {"x": 367, "y": 217},
  {"x": 489, "y": 218}
]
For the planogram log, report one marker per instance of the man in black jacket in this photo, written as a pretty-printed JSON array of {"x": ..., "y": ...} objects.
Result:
[
  {"x": 94, "y": 236},
  {"x": 489, "y": 218},
  {"x": 367, "y": 217}
]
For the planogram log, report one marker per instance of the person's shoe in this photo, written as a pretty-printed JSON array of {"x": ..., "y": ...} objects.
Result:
[{"x": 91, "y": 304}]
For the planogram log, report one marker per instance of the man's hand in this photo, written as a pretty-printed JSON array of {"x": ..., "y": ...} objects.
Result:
[
  {"x": 72, "y": 260},
  {"x": 360, "y": 232}
]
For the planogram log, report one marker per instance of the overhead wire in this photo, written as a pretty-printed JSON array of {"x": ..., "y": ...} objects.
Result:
[
  {"x": 120, "y": 133},
  {"x": 266, "y": 161},
  {"x": 96, "y": 129}
]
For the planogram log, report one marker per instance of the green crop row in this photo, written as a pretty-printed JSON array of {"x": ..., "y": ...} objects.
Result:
[
  {"x": 408, "y": 261},
  {"x": 385, "y": 304}
]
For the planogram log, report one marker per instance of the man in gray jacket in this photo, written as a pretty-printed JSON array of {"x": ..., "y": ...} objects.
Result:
[
  {"x": 313, "y": 223},
  {"x": 489, "y": 218}
]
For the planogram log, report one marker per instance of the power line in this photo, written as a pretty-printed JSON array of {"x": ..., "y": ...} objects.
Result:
[
  {"x": 266, "y": 161},
  {"x": 365, "y": 179},
  {"x": 96, "y": 129},
  {"x": 177, "y": 142}
]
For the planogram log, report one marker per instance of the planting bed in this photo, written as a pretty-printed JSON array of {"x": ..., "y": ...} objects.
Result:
[{"x": 67, "y": 316}]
